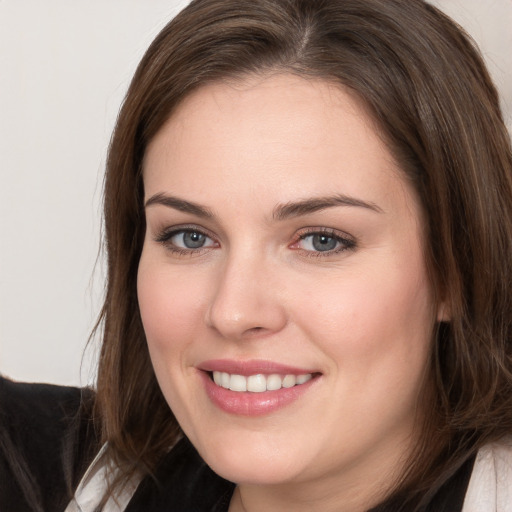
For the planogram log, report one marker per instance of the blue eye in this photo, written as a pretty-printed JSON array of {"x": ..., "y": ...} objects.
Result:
[
  {"x": 324, "y": 242},
  {"x": 185, "y": 240},
  {"x": 320, "y": 242},
  {"x": 189, "y": 239}
]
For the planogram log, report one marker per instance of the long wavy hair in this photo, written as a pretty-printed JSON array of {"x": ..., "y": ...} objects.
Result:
[{"x": 425, "y": 84}]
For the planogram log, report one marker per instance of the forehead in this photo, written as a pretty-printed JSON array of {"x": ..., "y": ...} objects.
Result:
[
  {"x": 292, "y": 134},
  {"x": 258, "y": 102}
]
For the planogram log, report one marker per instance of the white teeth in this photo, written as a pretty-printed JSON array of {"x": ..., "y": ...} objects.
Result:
[
  {"x": 259, "y": 383},
  {"x": 237, "y": 383},
  {"x": 274, "y": 382},
  {"x": 302, "y": 379},
  {"x": 217, "y": 378},
  {"x": 224, "y": 379},
  {"x": 289, "y": 381}
]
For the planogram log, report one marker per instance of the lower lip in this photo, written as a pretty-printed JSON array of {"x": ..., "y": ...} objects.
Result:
[{"x": 247, "y": 403}]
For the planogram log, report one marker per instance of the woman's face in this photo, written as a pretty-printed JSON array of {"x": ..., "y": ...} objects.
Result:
[{"x": 284, "y": 254}]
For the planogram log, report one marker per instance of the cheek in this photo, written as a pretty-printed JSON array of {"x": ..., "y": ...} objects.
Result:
[
  {"x": 377, "y": 335},
  {"x": 171, "y": 307},
  {"x": 376, "y": 324}
]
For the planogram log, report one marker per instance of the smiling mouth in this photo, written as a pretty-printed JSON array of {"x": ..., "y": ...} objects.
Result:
[
  {"x": 255, "y": 387},
  {"x": 258, "y": 383}
]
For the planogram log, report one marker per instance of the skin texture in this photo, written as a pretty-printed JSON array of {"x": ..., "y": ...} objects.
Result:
[{"x": 360, "y": 315}]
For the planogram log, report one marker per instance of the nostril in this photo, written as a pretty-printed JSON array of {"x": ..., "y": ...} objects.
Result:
[{"x": 254, "y": 330}]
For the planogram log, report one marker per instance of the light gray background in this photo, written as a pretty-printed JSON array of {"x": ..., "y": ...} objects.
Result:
[{"x": 64, "y": 67}]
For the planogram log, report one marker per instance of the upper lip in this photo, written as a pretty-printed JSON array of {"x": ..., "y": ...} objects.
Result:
[{"x": 251, "y": 367}]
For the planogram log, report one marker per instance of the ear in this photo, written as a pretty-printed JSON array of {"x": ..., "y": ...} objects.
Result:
[{"x": 443, "y": 313}]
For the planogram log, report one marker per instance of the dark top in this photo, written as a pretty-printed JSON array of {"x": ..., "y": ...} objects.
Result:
[
  {"x": 47, "y": 441},
  {"x": 46, "y": 444}
]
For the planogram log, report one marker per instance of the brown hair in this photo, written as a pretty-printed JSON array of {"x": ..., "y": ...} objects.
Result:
[{"x": 428, "y": 89}]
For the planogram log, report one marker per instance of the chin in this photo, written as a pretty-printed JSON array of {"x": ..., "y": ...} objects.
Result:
[
  {"x": 257, "y": 463},
  {"x": 252, "y": 472}
]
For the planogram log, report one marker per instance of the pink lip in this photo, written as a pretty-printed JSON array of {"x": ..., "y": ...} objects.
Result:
[
  {"x": 248, "y": 403},
  {"x": 251, "y": 367}
]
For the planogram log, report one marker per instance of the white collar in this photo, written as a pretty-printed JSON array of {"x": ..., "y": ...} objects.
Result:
[
  {"x": 490, "y": 486},
  {"x": 94, "y": 485},
  {"x": 489, "y": 489}
]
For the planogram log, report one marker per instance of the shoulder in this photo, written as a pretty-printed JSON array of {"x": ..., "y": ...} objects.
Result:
[
  {"x": 45, "y": 401},
  {"x": 46, "y": 435},
  {"x": 490, "y": 487},
  {"x": 184, "y": 479}
]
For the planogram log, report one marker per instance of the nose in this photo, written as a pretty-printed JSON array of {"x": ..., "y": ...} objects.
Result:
[{"x": 246, "y": 299}]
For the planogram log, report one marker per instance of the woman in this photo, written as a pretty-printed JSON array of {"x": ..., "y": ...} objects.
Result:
[{"x": 308, "y": 220}]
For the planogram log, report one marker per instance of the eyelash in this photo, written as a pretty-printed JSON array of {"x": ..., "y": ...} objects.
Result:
[
  {"x": 167, "y": 234},
  {"x": 346, "y": 242}
]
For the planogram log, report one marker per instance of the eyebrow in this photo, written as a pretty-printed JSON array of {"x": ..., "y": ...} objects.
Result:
[
  {"x": 280, "y": 212},
  {"x": 179, "y": 204},
  {"x": 306, "y": 206}
]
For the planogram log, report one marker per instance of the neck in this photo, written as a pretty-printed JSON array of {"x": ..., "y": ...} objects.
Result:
[
  {"x": 355, "y": 489},
  {"x": 324, "y": 495}
]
